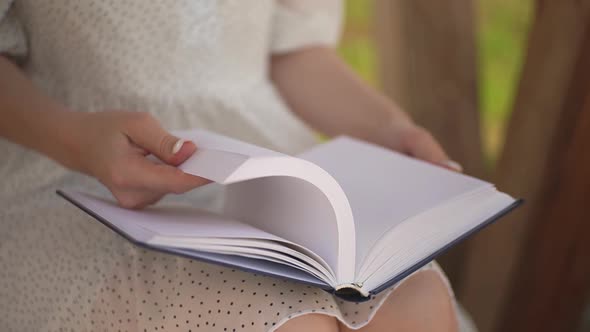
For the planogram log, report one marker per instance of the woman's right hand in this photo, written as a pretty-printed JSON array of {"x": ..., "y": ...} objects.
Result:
[{"x": 113, "y": 146}]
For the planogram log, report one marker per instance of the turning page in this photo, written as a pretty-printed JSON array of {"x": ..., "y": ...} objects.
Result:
[{"x": 283, "y": 195}]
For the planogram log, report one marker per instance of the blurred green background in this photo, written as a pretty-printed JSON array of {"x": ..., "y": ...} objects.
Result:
[{"x": 502, "y": 27}]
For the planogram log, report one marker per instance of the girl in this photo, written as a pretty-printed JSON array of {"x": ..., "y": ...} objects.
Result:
[{"x": 90, "y": 85}]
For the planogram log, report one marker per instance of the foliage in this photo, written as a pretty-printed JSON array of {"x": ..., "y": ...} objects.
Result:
[{"x": 502, "y": 30}]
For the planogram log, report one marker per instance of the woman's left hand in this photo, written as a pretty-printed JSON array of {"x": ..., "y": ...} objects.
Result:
[
  {"x": 325, "y": 93},
  {"x": 404, "y": 136}
]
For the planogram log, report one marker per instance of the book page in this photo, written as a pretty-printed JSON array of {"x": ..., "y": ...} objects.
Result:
[
  {"x": 219, "y": 157},
  {"x": 256, "y": 265},
  {"x": 419, "y": 239},
  {"x": 171, "y": 220},
  {"x": 282, "y": 195},
  {"x": 182, "y": 227},
  {"x": 384, "y": 188}
]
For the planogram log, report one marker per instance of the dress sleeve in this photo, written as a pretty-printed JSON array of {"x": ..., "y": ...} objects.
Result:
[
  {"x": 12, "y": 37},
  {"x": 301, "y": 23}
]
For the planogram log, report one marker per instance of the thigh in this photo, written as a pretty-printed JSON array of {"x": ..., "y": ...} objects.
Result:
[{"x": 421, "y": 303}]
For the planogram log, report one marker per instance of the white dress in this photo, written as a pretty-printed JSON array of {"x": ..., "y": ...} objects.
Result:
[{"x": 191, "y": 64}]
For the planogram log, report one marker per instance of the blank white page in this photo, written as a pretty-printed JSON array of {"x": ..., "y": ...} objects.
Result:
[
  {"x": 182, "y": 228},
  {"x": 255, "y": 265},
  {"x": 209, "y": 140},
  {"x": 384, "y": 187},
  {"x": 280, "y": 194},
  {"x": 172, "y": 220},
  {"x": 219, "y": 157}
]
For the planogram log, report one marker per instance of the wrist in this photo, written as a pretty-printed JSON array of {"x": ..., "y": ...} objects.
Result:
[{"x": 66, "y": 145}]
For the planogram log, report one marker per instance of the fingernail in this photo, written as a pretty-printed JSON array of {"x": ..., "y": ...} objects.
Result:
[
  {"x": 454, "y": 165},
  {"x": 178, "y": 145}
]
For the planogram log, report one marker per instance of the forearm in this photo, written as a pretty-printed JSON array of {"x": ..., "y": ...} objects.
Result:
[
  {"x": 109, "y": 145},
  {"x": 29, "y": 117},
  {"x": 326, "y": 94}
]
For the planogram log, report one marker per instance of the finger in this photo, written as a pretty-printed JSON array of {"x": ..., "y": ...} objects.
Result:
[
  {"x": 139, "y": 150},
  {"x": 420, "y": 144},
  {"x": 136, "y": 199},
  {"x": 161, "y": 178},
  {"x": 146, "y": 132},
  {"x": 453, "y": 165}
]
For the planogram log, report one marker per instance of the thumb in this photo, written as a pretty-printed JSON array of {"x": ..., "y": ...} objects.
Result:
[
  {"x": 147, "y": 133},
  {"x": 181, "y": 151}
]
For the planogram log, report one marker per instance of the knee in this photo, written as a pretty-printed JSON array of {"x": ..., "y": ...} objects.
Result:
[
  {"x": 310, "y": 322},
  {"x": 431, "y": 283},
  {"x": 431, "y": 295},
  {"x": 421, "y": 303}
]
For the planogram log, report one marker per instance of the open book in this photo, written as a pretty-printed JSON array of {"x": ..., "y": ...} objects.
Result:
[{"x": 347, "y": 216}]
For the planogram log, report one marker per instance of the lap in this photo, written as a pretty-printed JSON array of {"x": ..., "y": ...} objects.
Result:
[{"x": 63, "y": 269}]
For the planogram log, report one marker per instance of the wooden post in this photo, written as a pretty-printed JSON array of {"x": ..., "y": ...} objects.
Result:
[
  {"x": 553, "y": 278},
  {"x": 427, "y": 60},
  {"x": 543, "y": 163}
]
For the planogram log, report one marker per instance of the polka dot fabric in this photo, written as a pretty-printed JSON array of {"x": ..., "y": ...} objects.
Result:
[{"x": 191, "y": 64}]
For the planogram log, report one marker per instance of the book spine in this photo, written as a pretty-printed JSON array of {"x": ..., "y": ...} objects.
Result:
[{"x": 352, "y": 292}]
